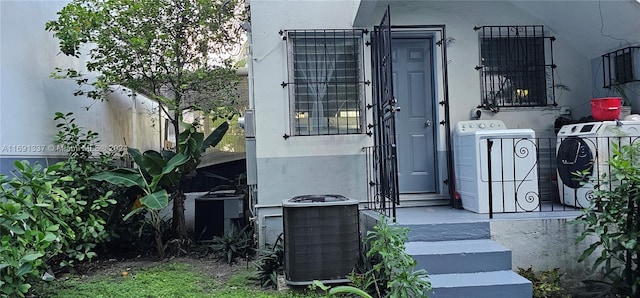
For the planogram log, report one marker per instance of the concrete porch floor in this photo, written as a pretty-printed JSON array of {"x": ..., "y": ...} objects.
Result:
[{"x": 446, "y": 214}]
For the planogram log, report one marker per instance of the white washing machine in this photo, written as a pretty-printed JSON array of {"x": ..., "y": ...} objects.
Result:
[
  {"x": 511, "y": 167},
  {"x": 586, "y": 147}
]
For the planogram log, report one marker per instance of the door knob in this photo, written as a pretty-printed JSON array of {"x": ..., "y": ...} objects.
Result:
[{"x": 427, "y": 123}]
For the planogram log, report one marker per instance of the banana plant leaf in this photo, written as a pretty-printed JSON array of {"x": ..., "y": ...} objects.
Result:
[
  {"x": 215, "y": 137},
  {"x": 176, "y": 161},
  {"x": 190, "y": 142},
  {"x": 156, "y": 200},
  {"x": 154, "y": 162},
  {"x": 138, "y": 159},
  {"x": 166, "y": 154},
  {"x": 121, "y": 178}
]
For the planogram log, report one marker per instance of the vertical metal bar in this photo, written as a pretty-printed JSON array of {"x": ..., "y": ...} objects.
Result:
[
  {"x": 489, "y": 166},
  {"x": 445, "y": 78},
  {"x": 507, "y": 60},
  {"x": 502, "y": 180},
  {"x": 308, "y": 109},
  {"x": 367, "y": 166},
  {"x": 553, "y": 63},
  {"x": 552, "y": 170},
  {"x": 604, "y": 75}
]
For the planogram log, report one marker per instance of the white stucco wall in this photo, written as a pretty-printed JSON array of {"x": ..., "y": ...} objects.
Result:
[
  {"x": 270, "y": 70},
  {"x": 460, "y": 17},
  {"x": 297, "y": 165},
  {"x": 29, "y": 97},
  {"x": 546, "y": 244},
  {"x": 280, "y": 176}
]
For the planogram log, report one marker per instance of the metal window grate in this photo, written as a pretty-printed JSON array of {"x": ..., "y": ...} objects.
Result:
[
  {"x": 621, "y": 66},
  {"x": 516, "y": 67},
  {"x": 326, "y": 86}
]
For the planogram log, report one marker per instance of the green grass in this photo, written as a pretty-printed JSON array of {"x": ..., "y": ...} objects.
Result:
[{"x": 166, "y": 280}]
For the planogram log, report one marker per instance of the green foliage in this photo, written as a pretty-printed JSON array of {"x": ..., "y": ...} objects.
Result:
[
  {"x": 53, "y": 216},
  {"x": 333, "y": 291},
  {"x": 155, "y": 198},
  {"x": 270, "y": 263},
  {"x": 192, "y": 143},
  {"x": 614, "y": 220},
  {"x": 92, "y": 201},
  {"x": 546, "y": 284},
  {"x": 182, "y": 50},
  {"x": 33, "y": 209},
  {"x": 177, "y": 61},
  {"x": 392, "y": 271},
  {"x": 233, "y": 244},
  {"x": 160, "y": 172},
  {"x": 173, "y": 51}
]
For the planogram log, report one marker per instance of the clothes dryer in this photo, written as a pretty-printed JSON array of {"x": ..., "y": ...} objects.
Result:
[{"x": 586, "y": 148}]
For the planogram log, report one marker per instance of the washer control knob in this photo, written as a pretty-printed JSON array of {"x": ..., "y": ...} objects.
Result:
[{"x": 481, "y": 125}]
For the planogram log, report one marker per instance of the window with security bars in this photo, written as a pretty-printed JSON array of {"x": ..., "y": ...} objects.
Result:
[
  {"x": 621, "y": 66},
  {"x": 325, "y": 81},
  {"x": 516, "y": 67}
]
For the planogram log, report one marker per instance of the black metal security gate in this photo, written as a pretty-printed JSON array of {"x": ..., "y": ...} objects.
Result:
[{"x": 383, "y": 155}]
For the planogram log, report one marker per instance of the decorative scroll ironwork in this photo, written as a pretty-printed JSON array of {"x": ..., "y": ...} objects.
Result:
[{"x": 555, "y": 191}]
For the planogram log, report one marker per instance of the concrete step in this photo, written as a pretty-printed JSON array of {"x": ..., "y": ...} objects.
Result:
[
  {"x": 472, "y": 230},
  {"x": 422, "y": 200},
  {"x": 460, "y": 256},
  {"x": 505, "y": 283},
  {"x": 412, "y": 203}
]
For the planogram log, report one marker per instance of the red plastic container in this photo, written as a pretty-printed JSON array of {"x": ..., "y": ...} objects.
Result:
[{"x": 606, "y": 108}]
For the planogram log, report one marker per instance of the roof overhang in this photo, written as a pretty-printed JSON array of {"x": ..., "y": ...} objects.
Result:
[{"x": 592, "y": 27}]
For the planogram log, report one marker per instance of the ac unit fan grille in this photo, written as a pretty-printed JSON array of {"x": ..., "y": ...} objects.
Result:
[{"x": 320, "y": 242}]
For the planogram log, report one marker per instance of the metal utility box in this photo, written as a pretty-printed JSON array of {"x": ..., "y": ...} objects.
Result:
[{"x": 216, "y": 212}]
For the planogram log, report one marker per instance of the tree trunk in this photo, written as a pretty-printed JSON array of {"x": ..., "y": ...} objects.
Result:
[
  {"x": 179, "y": 224},
  {"x": 159, "y": 245},
  {"x": 157, "y": 227}
]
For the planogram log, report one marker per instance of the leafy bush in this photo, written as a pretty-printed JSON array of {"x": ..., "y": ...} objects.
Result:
[
  {"x": 147, "y": 177},
  {"x": 33, "y": 209},
  {"x": 614, "y": 219},
  {"x": 232, "y": 244},
  {"x": 160, "y": 173},
  {"x": 54, "y": 216},
  {"x": 391, "y": 272},
  {"x": 92, "y": 207},
  {"x": 546, "y": 284},
  {"x": 270, "y": 263}
]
